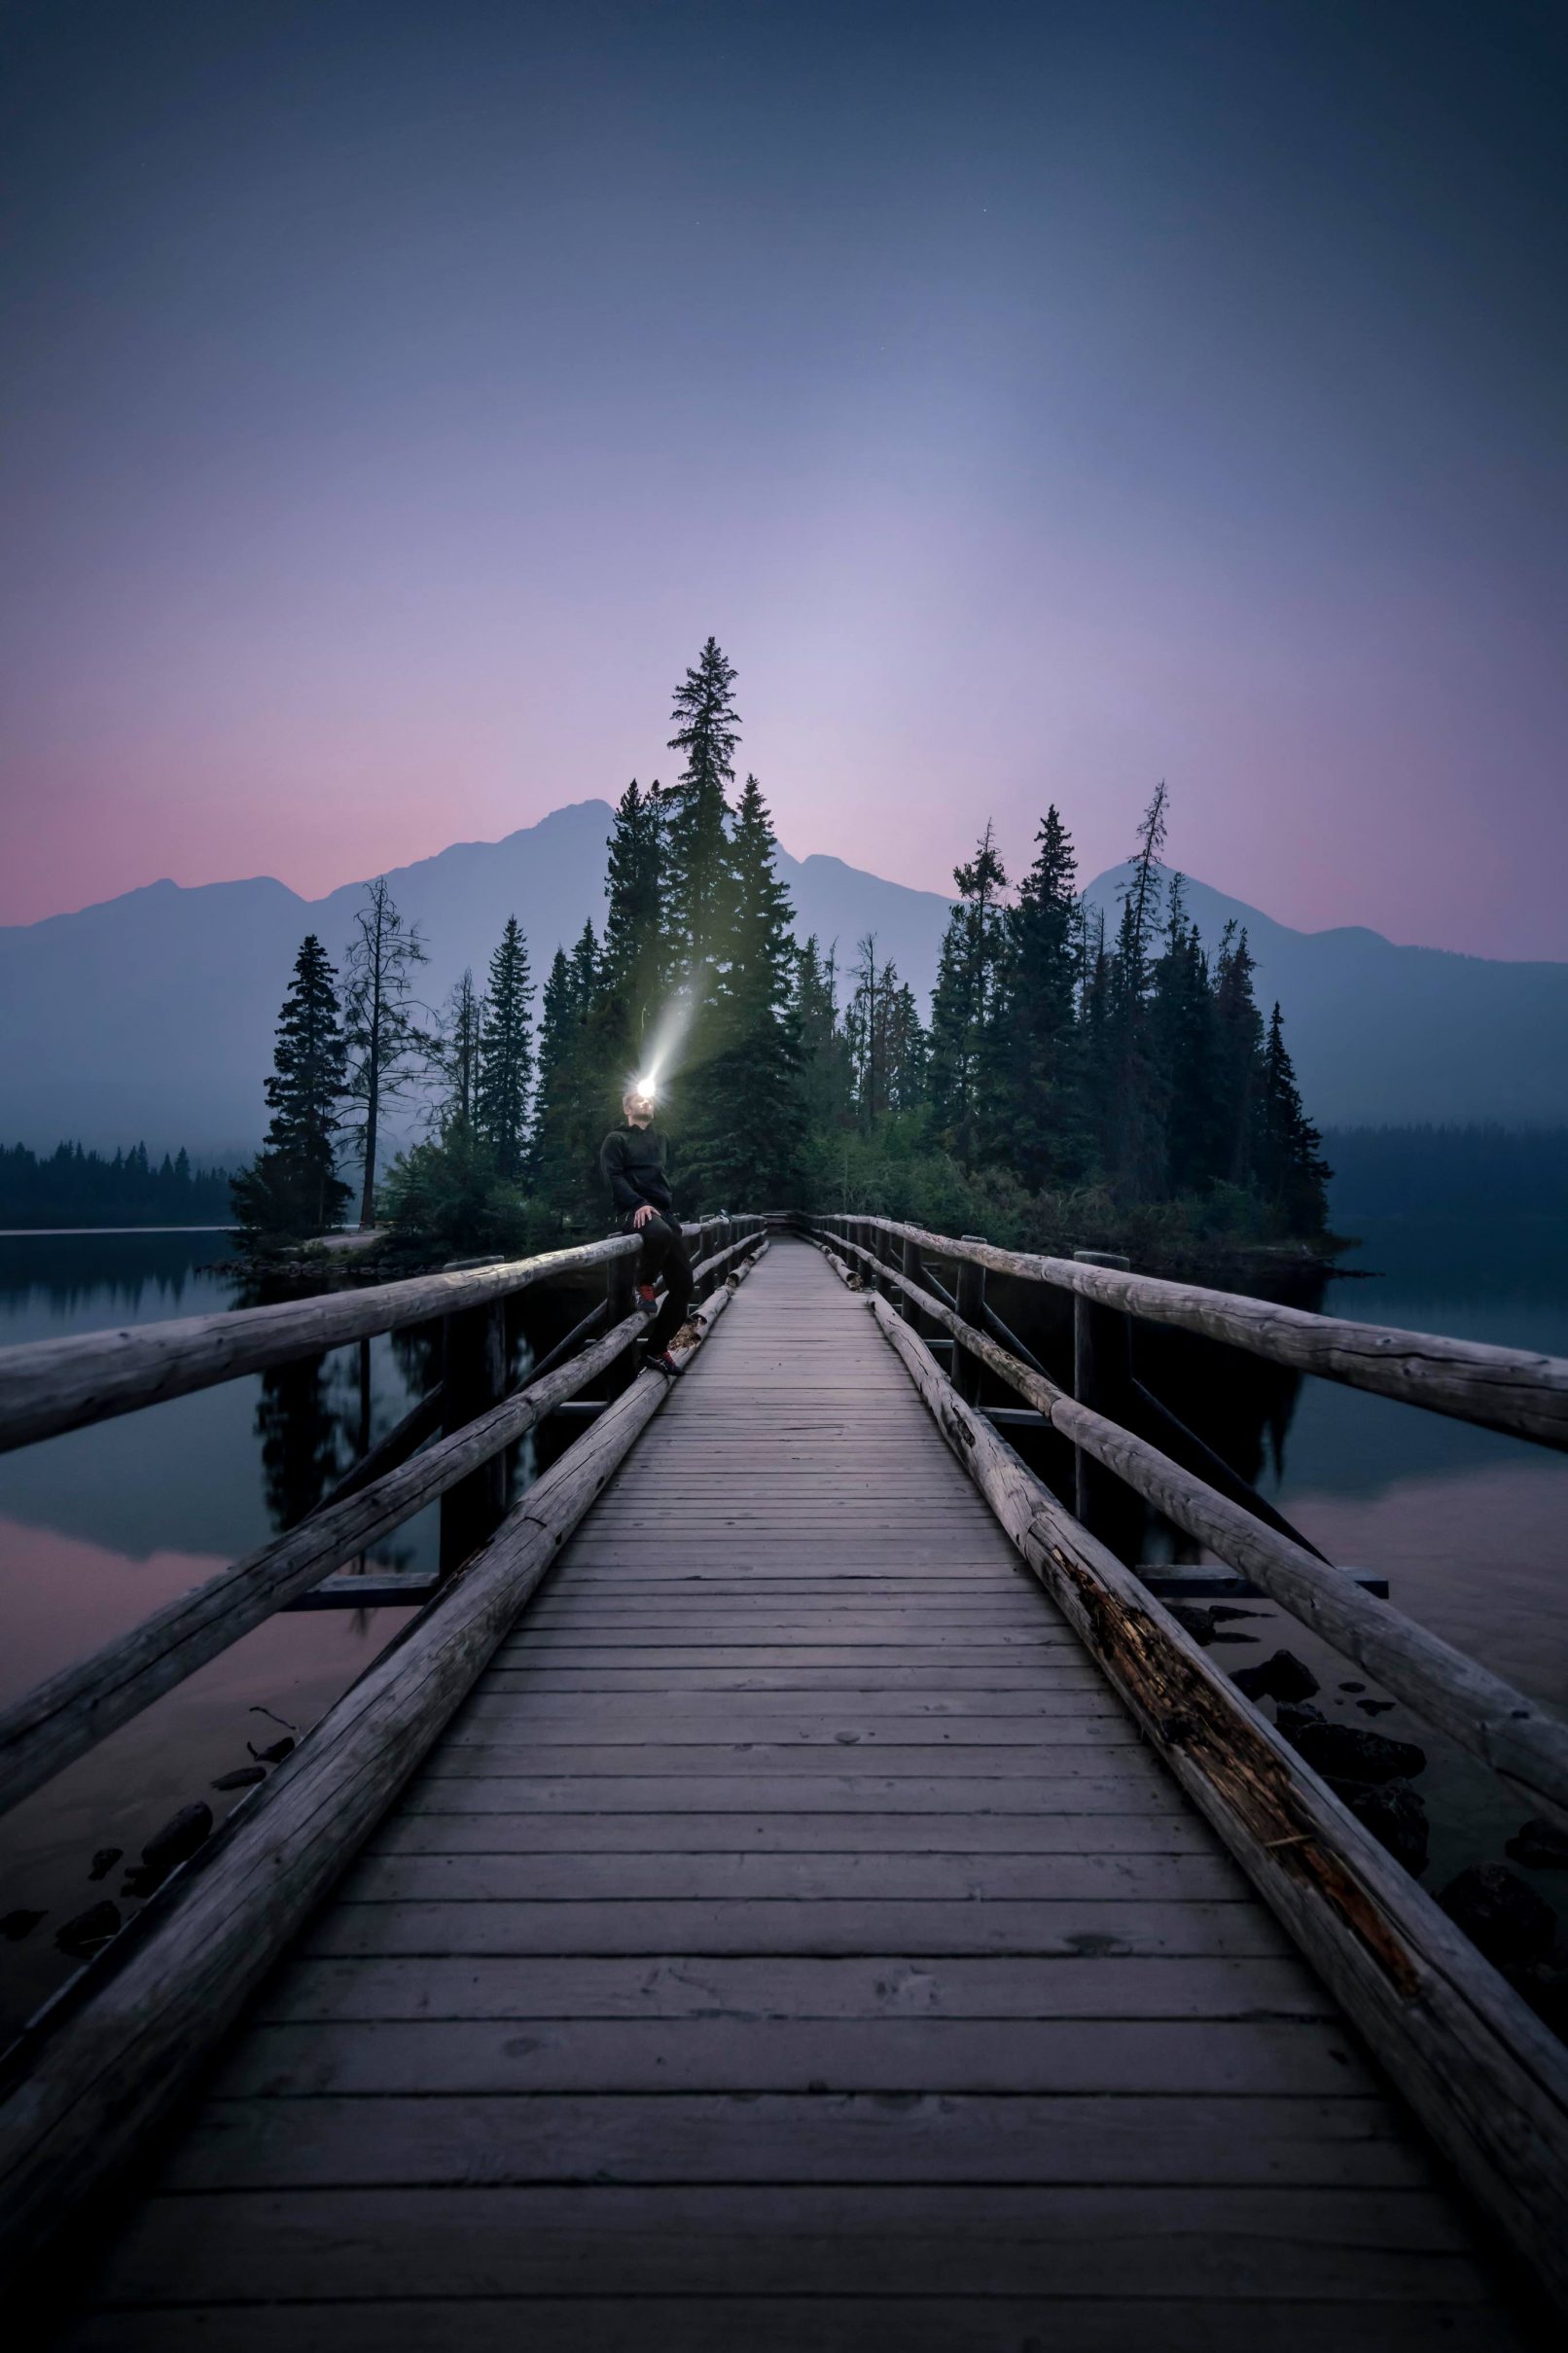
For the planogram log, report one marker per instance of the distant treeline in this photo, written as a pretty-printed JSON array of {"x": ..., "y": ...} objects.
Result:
[
  {"x": 1473, "y": 1172},
  {"x": 71, "y": 1187}
]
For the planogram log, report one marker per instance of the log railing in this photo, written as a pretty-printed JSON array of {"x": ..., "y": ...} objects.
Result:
[
  {"x": 1510, "y": 1389},
  {"x": 106, "y": 2058},
  {"x": 1488, "y": 2080}
]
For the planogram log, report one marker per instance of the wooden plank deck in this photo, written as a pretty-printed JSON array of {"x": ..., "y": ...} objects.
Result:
[{"x": 792, "y": 1944}]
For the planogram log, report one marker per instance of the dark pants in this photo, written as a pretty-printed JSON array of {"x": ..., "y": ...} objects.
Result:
[{"x": 664, "y": 1254}]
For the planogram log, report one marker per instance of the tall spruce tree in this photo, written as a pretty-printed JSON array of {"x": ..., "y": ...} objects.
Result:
[
  {"x": 587, "y": 966},
  {"x": 1290, "y": 1170},
  {"x": 961, "y": 1005},
  {"x": 557, "y": 1179},
  {"x": 636, "y": 959},
  {"x": 291, "y": 1188},
  {"x": 1184, "y": 1045},
  {"x": 699, "y": 897},
  {"x": 1239, "y": 1057},
  {"x": 866, "y": 1034},
  {"x": 455, "y": 1055},
  {"x": 506, "y": 1053},
  {"x": 1033, "y": 1115},
  {"x": 1132, "y": 1110},
  {"x": 744, "y": 1123},
  {"x": 907, "y": 1047},
  {"x": 827, "y": 1072},
  {"x": 386, "y": 1044}
]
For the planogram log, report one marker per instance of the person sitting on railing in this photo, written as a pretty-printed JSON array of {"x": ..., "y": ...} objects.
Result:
[{"x": 632, "y": 1161}]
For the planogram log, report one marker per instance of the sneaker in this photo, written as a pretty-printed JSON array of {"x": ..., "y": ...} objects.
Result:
[
  {"x": 648, "y": 1295},
  {"x": 664, "y": 1363}
]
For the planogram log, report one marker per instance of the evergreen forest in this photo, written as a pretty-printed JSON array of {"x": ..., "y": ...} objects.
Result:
[
  {"x": 1072, "y": 1084},
  {"x": 70, "y": 1187}
]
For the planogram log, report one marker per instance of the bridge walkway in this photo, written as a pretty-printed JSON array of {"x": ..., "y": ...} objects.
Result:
[{"x": 792, "y": 1944}]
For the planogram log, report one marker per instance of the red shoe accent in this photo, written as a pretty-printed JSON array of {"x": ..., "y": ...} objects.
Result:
[{"x": 647, "y": 1294}]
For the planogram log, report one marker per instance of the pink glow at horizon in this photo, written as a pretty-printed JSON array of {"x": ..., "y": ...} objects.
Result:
[{"x": 1185, "y": 407}]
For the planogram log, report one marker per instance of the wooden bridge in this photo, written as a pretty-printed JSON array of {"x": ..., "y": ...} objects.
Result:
[{"x": 792, "y": 1885}]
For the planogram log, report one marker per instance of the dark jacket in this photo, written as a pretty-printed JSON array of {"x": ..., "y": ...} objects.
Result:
[{"x": 631, "y": 1162}]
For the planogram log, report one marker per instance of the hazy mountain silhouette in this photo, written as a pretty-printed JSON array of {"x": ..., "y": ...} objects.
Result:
[
  {"x": 1381, "y": 1033},
  {"x": 152, "y": 1014}
]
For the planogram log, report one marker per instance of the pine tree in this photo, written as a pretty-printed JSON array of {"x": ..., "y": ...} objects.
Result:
[
  {"x": 1184, "y": 1045},
  {"x": 1238, "y": 1058},
  {"x": 826, "y": 1074},
  {"x": 291, "y": 1188},
  {"x": 506, "y": 1053},
  {"x": 1034, "y": 1117},
  {"x": 1132, "y": 1109},
  {"x": 905, "y": 1052},
  {"x": 455, "y": 1055},
  {"x": 558, "y": 1019},
  {"x": 1291, "y": 1172},
  {"x": 961, "y": 1005},
  {"x": 636, "y": 959},
  {"x": 385, "y": 1045},
  {"x": 697, "y": 851},
  {"x": 587, "y": 967},
  {"x": 865, "y": 1035},
  {"x": 745, "y": 1125}
]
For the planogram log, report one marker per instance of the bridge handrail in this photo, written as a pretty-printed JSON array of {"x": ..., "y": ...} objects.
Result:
[
  {"x": 1485, "y": 2076},
  {"x": 1509, "y": 1389},
  {"x": 1488, "y": 1716},
  {"x": 104, "y": 2062},
  {"x": 61, "y": 1718},
  {"x": 50, "y": 1386}
]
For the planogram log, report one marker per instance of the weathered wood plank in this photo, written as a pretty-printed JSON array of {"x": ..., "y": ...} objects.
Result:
[
  {"x": 856, "y": 2323},
  {"x": 1052, "y": 1644},
  {"x": 459, "y": 2140},
  {"x": 880, "y": 1986},
  {"x": 426, "y": 1831},
  {"x": 1118, "y": 1785},
  {"x": 1032, "y": 1685},
  {"x": 679, "y": 1878},
  {"x": 1324, "y": 2246},
  {"x": 1080, "y": 1718},
  {"x": 1069, "y": 1690},
  {"x": 1175, "y": 2057},
  {"x": 1080, "y": 1925},
  {"x": 1093, "y": 1750}
]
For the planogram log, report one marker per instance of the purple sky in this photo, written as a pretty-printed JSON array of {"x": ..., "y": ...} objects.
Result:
[{"x": 1035, "y": 401}]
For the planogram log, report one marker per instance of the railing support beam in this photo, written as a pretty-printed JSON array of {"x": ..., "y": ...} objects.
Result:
[
  {"x": 1102, "y": 1380},
  {"x": 474, "y": 1372},
  {"x": 970, "y": 1295},
  {"x": 915, "y": 1271}
]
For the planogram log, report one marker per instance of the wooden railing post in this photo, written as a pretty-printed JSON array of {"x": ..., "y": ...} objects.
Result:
[
  {"x": 970, "y": 1292},
  {"x": 914, "y": 1270},
  {"x": 1102, "y": 1380},
  {"x": 474, "y": 1372}
]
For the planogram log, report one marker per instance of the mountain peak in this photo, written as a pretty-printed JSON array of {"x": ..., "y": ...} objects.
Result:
[{"x": 153, "y": 1014}]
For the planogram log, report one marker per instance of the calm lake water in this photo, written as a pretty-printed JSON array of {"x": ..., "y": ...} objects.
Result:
[{"x": 100, "y": 1527}]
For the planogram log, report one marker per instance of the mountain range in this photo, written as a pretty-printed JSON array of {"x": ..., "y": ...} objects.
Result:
[{"x": 151, "y": 1015}]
